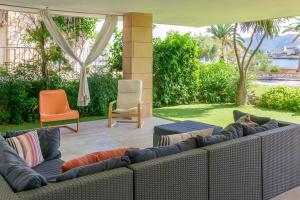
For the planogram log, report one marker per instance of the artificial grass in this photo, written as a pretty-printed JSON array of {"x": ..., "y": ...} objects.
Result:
[
  {"x": 32, "y": 125},
  {"x": 219, "y": 114}
]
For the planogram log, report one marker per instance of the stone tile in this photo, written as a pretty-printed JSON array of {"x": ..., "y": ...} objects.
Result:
[{"x": 96, "y": 136}]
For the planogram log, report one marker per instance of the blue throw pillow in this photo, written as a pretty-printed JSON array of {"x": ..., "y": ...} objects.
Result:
[
  {"x": 49, "y": 139},
  {"x": 15, "y": 170},
  {"x": 272, "y": 124},
  {"x": 94, "y": 168},
  {"x": 232, "y": 131},
  {"x": 141, "y": 155}
]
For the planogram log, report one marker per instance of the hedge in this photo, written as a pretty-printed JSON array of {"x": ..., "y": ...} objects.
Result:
[{"x": 19, "y": 102}]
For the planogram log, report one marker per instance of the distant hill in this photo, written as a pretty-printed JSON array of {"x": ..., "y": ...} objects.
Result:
[{"x": 276, "y": 43}]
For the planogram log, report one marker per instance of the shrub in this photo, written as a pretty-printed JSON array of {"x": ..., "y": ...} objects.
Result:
[
  {"x": 175, "y": 66},
  {"x": 218, "y": 82},
  {"x": 281, "y": 98},
  {"x": 19, "y": 97}
]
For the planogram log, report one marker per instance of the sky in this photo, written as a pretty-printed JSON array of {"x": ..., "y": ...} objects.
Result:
[{"x": 161, "y": 30}]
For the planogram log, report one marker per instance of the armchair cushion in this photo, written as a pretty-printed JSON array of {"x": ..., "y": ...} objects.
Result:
[{"x": 129, "y": 93}]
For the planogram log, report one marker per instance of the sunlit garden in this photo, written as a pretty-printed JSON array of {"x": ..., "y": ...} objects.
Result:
[{"x": 194, "y": 76}]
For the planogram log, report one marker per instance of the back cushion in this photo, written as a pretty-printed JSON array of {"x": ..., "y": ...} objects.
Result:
[
  {"x": 176, "y": 138},
  {"x": 27, "y": 147},
  {"x": 49, "y": 139},
  {"x": 15, "y": 170},
  {"x": 93, "y": 158},
  {"x": 129, "y": 93},
  {"x": 259, "y": 120},
  {"x": 272, "y": 124},
  {"x": 156, "y": 152},
  {"x": 94, "y": 168}
]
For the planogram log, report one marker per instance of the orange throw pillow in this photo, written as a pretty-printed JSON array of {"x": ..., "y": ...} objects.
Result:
[{"x": 94, "y": 158}]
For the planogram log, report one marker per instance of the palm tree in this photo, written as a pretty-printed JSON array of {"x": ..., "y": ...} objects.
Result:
[
  {"x": 259, "y": 30},
  {"x": 295, "y": 27},
  {"x": 224, "y": 33}
]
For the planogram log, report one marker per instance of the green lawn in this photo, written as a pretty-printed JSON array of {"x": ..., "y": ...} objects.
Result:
[
  {"x": 25, "y": 126},
  {"x": 219, "y": 114},
  {"x": 259, "y": 88}
]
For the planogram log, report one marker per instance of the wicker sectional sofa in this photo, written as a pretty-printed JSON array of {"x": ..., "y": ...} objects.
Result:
[{"x": 255, "y": 167}]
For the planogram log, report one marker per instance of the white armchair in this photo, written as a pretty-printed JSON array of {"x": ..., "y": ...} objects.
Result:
[{"x": 129, "y": 103}]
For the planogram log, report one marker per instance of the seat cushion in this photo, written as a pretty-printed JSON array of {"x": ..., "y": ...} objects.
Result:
[
  {"x": 49, "y": 140},
  {"x": 49, "y": 169},
  {"x": 130, "y": 110},
  {"x": 15, "y": 170},
  {"x": 72, "y": 114}
]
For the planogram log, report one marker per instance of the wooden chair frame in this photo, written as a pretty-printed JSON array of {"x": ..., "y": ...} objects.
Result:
[
  {"x": 64, "y": 126},
  {"x": 138, "y": 115}
]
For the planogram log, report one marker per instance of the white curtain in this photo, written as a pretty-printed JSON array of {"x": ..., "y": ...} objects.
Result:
[{"x": 100, "y": 43}]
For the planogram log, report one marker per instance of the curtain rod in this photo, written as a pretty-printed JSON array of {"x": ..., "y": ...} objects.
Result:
[{"x": 33, "y": 10}]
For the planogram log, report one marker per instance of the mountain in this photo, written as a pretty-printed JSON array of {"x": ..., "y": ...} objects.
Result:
[{"x": 275, "y": 43}]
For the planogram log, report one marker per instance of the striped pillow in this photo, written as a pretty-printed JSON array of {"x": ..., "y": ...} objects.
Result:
[
  {"x": 27, "y": 147},
  {"x": 176, "y": 138}
]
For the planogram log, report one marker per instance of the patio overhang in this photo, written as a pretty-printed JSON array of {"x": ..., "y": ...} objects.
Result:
[{"x": 176, "y": 12}]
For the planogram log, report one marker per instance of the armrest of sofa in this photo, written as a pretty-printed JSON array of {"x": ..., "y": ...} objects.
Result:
[
  {"x": 116, "y": 184},
  {"x": 6, "y": 193},
  {"x": 280, "y": 160},
  {"x": 235, "y": 169},
  {"x": 178, "y": 176}
]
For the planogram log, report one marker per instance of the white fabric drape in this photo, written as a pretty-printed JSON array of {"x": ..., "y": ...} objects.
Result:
[{"x": 101, "y": 41}]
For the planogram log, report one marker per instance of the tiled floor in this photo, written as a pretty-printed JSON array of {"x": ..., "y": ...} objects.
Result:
[{"x": 96, "y": 136}]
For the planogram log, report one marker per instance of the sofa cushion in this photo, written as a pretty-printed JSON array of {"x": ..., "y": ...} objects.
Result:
[
  {"x": 15, "y": 170},
  {"x": 246, "y": 120},
  {"x": 259, "y": 120},
  {"x": 93, "y": 158},
  {"x": 272, "y": 124},
  {"x": 49, "y": 140},
  {"x": 176, "y": 138},
  {"x": 27, "y": 147},
  {"x": 49, "y": 169},
  {"x": 113, "y": 163},
  {"x": 232, "y": 131},
  {"x": 156, "y": 152}
]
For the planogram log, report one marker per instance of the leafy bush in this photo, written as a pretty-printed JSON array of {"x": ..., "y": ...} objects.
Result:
[
  {"x": 218, "y": 82},
  {"x": 281, "y": 98},
  {"x": 176, "y": 68},
  {"x": 19, "y": 101}
]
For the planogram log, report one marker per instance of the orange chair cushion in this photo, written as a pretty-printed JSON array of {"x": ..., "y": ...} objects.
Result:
[
  {"x": 54, "y": 106},
  {"x": 94, "y": 158},
  {"x": 72, "y": 114}
]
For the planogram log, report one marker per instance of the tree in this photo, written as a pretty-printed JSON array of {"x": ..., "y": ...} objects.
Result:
[
  {"x": 115, "y": 51},
  {"x": 258, "y": 30},
  {"x": 208, "y": 48},
  {"x": 77, "y": 30},
  {"x": 224, "y": 33},
  {"x": 295, "y": 27}
]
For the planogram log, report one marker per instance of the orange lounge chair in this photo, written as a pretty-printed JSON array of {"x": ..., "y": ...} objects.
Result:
[{"x": 54, "y": 106}]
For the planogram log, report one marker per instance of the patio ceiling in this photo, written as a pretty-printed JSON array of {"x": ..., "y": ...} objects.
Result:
[{"x": 176, "y": 12}]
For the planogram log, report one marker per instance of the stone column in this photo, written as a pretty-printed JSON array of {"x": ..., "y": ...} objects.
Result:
[{"x": 137, "y": 53}]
